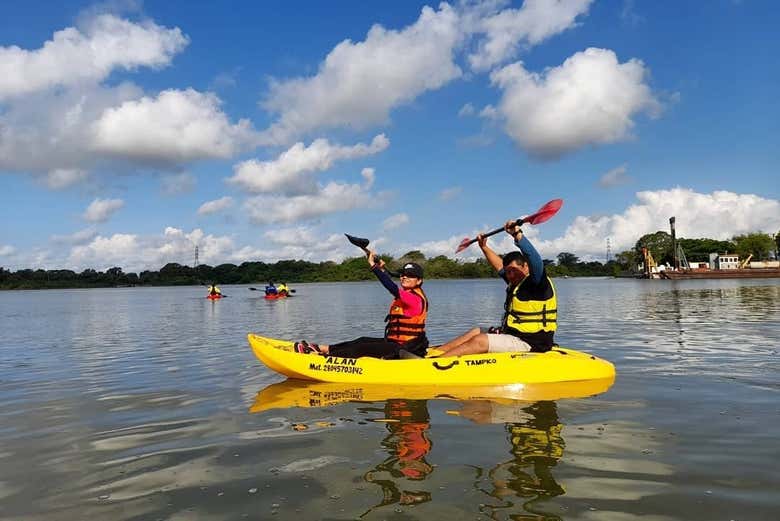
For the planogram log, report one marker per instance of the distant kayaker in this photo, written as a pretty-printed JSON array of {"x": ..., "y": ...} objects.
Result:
[
  {"x": 530, "y": 308},
  {"x": 270, "y": 289},
  {"x": 282, "y": 289},
  {"x": 214, "y": 290},
  {"x": 405, "y": 322}
]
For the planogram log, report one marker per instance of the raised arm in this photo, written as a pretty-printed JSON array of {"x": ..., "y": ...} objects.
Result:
[
  {"x": 491, "y": 256},
  {"x": 378, "y": 268},
  {"x": 534, "y": 259}
]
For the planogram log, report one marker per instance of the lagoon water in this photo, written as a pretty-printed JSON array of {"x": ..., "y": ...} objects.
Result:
[{"x": 134, "y": 404}]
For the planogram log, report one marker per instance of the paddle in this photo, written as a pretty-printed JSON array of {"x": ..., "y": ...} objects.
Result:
[
  {"x": 542, "y": 215},
  {"x": 359, "y": 242},
  {"x": 363, "y": 245},
  {"x": 255, "y": 289}
]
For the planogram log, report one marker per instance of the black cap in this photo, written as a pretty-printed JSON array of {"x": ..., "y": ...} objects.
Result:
[{"x": 412, "y": 269}]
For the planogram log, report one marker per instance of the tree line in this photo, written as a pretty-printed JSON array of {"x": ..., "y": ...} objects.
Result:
[{"x": 762, "y": 246}]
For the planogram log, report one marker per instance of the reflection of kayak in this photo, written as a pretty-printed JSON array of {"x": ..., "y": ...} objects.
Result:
[
  {"x": 297, "y": 393},
  {"x": 213, "y": 297},
  {"x": 275, "y": 297},
  {"x": 558, "y": 365}
]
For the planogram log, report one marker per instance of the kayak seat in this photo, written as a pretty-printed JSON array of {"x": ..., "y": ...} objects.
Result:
[{"x": 406, "y": 355}]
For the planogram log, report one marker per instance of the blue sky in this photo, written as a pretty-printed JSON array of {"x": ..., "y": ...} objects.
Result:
[{"x": 132, "y": 132}]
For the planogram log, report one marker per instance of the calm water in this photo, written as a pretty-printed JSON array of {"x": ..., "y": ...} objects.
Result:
[{"x": 134, "y": 404}]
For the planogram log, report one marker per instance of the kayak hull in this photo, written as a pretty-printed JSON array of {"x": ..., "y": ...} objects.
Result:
[
  {"x": 300, "y": 393},
  {"x": 213, "y": 297},
  {"x": 489, "y": 369},
  {"x": 274, "y": 297}
]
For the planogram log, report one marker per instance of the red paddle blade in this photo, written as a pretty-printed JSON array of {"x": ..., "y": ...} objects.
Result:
[
  {"x": 545, "y": 212},
  {"x": 465, "y": 243}
]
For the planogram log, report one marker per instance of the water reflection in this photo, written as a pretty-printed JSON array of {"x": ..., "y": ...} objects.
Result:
[
  {"x": 536, "y": 446},
  {"x": 517, "y": 487},
  {"x": 407, "y": 444}
]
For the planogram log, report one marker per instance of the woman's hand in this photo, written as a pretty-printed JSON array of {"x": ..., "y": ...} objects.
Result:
[
  {"x": 482, "y": 240},
  {"x": 371, "y": 258}
]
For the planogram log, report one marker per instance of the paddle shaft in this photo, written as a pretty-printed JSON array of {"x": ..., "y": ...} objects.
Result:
[{"x": 518, "y": 222}]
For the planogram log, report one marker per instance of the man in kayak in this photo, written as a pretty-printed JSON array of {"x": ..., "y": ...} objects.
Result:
[
  {"x": 405, "y": 322},
  {"x": 530, "y": 308},
  {"x": 214, "y": 290},
  {"x": 282, "y": 289},
  {"x": 270, "y": 289}
]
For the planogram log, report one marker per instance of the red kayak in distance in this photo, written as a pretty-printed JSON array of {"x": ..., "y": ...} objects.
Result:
[
  {"x": 213, "y": 297},
  {"x": 275, "y": 297}
]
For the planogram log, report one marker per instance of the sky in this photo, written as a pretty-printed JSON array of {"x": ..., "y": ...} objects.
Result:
[{"x": 132, "y": 132}]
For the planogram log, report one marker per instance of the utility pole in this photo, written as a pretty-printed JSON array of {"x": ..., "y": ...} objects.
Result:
[{"x": 675, "y": 258}]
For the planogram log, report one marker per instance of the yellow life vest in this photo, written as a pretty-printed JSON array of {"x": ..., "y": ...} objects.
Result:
[
  {"x": 214, "y": 290},
  {"x": 403, "y": 329},
  {"x": 524, "y": 314}
]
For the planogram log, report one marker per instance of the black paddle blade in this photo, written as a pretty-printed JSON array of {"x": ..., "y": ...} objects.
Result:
[{"x": 357, "y": 241}]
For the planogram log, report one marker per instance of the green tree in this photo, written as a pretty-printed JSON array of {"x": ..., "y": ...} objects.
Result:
[
  {"x": 700, "y": 249},
  {"x": 413, "y": 256},
  {"x": 659, "y": 244},
  {"x": 777, "y": 246},
  {"x": 757, "y": 244},
  {"x": 567, "y": 259}
]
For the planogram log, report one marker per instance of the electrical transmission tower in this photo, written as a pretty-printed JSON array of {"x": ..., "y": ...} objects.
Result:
[
  {"x": 196, "y": 257},
  {"x": 609, "y": 250}
]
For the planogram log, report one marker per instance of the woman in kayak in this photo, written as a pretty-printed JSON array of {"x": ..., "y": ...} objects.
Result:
[
  {"x": 405, "y": 322},
  {"x": 282, "y": 289},
  {"x": 214, "y": 290}
]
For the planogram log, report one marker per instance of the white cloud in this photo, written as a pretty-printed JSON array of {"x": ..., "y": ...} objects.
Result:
[
  {"x": 176, "y": 126},
  {"x": 717, "y": 215},
  {"x": 616, "y": 176},
  {"x": 589, "y": 100},
  {"x": 448, "y": 194},
  {"x": 532, "y": 23},
  {"x": 101, "y": 210},
  {"x": 292, "y": 172},
  {"x": 369, "y": 175},
  {"x": 395, "y": 221},
  {"x": 79, "y": 237},
  {"x": 307, "y": 243},
  {"x": 215, "y": 206},
  {"x": 49, "y": 133},
  {"x": 6, "y": 250},
  {"x": 135, "y": 253},
  {"x": 88, "y": 54},
  {"x": 466, "y": 110},
  {"x": 175, "y": 184},
  {"x": 359, "y": 83},
  {"x": 62, "y": 178},
  {"x": 332, "y": 198}
]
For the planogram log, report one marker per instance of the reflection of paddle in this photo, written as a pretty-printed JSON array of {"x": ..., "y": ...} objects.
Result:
[{"x": 544, "y": 213}]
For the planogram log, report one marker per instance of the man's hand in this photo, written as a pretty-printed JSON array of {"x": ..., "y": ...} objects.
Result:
[
  {"x": 511, "y": 227},
  {"x": 371, "y": 258},
  {"x": 482, "y": 241}
]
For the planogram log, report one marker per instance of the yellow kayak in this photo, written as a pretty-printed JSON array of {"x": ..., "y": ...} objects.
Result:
[
  {"x": 298, "y": 393},
  {"x": 557, "y": 365}
]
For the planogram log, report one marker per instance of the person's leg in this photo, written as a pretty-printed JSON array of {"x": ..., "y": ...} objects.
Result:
[
  {"x": 363, "y": 346},
  {"x": 455, "y": 342},
  {"x": 475, "y": 345}
]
